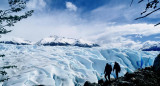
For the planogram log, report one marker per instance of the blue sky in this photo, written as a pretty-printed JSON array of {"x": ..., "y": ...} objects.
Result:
[{"x": 107, "y": 22}]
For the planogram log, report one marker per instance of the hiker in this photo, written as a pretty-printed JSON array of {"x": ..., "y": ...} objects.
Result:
[
  {"x": 117, "y": 68},
  {"x": 107, "y": 71}
]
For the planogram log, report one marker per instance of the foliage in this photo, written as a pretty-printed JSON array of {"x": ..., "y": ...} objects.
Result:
[
  {"x": 8, "y": 18},
  {"x": 152, "y": 6}
]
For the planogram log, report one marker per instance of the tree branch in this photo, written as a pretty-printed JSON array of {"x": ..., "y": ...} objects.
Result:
[
  {"x": 148, "y": 14},
  {"x": 157, "y": 24},
  {"x": 131, "y": 3}
]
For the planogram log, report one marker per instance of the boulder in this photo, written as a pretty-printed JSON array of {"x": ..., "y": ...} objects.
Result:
[{"x": 156, "y": 64}]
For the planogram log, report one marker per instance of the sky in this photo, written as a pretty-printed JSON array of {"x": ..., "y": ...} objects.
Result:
[{"x": 106, "y": 22}]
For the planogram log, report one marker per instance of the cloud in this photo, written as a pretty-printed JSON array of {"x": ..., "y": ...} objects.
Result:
[
  {"x": 36, "y": 4},
  {"x": 70, "y": 6},
  {"x": 105, "y": 25},
  {"x": 115, "y": 34},
  {"x": 43, "y": 25},
  {"x": 70, "y": 25},
  {"x": 120, "y": 14}
]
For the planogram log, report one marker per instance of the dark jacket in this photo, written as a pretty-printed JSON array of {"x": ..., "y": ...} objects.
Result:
[
  {"x": 117, "y": 67},
  {"x": 108, "y": 69}
]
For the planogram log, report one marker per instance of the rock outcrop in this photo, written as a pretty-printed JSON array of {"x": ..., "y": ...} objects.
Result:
[
  {"x": 156, "y": 64},
  {"x": 141, "y": 77},
  {"x": 149, "y": 76},
  {"x": 87, "y": 83}
]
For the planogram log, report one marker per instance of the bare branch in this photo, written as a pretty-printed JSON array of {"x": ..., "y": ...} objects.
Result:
[
  {"x": 131, "y": 3},
  {"x": 157, "y": 24},
  {"x": 140, "y": 1},
  {"x": 148, "y": 14}
]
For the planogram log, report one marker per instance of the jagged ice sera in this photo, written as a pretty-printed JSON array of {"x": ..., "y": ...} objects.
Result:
[{"x": 67, "y": 65}]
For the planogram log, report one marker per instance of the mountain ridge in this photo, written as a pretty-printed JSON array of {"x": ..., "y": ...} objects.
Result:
[
  {"x": 51, "y": 41},
  {"x": 151, "y": 46}
]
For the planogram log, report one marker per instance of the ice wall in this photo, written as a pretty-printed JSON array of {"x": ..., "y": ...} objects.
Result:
[{"x": 67, "y": 66}]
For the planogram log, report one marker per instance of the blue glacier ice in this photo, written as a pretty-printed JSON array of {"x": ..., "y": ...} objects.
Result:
[{"x": 67, "y": 65}]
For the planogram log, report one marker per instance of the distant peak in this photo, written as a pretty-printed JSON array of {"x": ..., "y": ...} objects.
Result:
[
  {"x": 64, "y": 41},
  {"x": 15, "y": 40}
]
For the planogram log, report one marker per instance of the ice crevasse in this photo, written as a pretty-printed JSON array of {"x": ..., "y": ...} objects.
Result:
[{"x": 67, "y": 65}]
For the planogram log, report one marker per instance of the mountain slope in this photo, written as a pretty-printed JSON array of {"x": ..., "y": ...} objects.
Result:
[
  {"x": 15, "y": 41},
  {"x": 50, "y": 41},
  {"x": 151, "y": 46},
  {"x": 62, "y": 41}
]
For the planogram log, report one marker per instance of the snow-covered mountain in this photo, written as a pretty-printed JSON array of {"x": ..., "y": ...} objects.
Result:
[
  {"x": 50, "y": 41},
  {"x": 67, "y": 65},
  {"x": 151, "y": 46},
  {"x": 62, "y": 41},
  {"x": 15, "y": 41}
]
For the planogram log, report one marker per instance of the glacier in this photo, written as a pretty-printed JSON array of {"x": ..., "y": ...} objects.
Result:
[{"x": 67, "y": 65}]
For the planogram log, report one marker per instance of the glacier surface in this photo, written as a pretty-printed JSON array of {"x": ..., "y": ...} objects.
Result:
[{"x": 67, "y": 65}]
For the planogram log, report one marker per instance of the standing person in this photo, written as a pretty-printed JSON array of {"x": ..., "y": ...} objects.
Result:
[
  {"x": 107, "y": 71},
  {"x": 117, "y": 68}
]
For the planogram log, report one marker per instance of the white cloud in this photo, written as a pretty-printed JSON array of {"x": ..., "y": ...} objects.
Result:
[
  {"x": 70, "y": 24},
  {"x": 113, "y": 36},
  {"x": 70, "y": 6},
  {"x": 36, "y": 4},
  {"x": 64, "y": 23}
]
